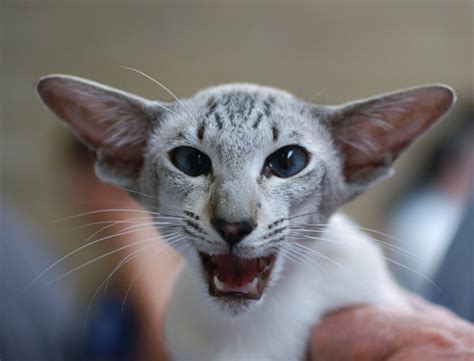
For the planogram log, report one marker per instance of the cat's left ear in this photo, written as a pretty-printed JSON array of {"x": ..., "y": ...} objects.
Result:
[
  {"x": 372, "y": 133},
  {"x": 114, "y": 124}
]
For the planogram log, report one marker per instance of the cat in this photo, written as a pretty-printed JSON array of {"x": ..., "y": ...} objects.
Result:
[{"x": 256, "y": 176}]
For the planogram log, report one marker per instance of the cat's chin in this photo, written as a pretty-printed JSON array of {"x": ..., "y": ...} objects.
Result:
[{"x": 236, "y": 282}]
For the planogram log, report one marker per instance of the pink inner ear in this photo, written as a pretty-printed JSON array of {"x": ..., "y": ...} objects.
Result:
[
  {"x": 104, "y": 120},
  {"x": 373, "y": 133}
]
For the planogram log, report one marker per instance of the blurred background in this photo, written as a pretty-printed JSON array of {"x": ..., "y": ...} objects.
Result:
[{"x": 331, "y": 51}]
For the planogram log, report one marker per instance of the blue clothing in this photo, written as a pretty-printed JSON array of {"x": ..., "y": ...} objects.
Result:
[
  {"x": 455, "y": 277},
  {"x": 39, "y": 324}
]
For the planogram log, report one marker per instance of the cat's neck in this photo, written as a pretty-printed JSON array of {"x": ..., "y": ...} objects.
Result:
[{"x": 331, "y": 276}]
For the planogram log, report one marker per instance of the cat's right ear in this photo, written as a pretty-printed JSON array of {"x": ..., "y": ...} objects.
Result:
[
  {"x": 371, "y": 133},
  {"x": 115, "y": 125}
]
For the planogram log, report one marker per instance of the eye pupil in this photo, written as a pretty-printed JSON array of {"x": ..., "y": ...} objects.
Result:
[
  {"x": 190, "y": 161},
  {"x": 284, "y": 161},
  {"x": 287, "y": 161}
]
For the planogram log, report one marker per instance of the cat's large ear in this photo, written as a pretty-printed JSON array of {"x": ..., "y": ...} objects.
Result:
[
  {"x": 113, "y": 124},
  {"x": 371, "y": 133}
]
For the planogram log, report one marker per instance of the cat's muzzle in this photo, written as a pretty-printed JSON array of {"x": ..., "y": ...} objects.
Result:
[{"x": 234, "y": 278}]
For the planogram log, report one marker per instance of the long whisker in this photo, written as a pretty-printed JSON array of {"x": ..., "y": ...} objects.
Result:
[
  {"x": 314, "y": 96},
  {"x": 129, "y": 289},
  {"x": 302, "y": 258},
  {"x": 163, "y": 87},
  {"x": 101, "y": 257},
  {"x": 318, "y": 239},
  {"x": 318, "y": 254},
  {"x": 364, "y": 229},
  {"x": 156, "y": 103},
  {"x": 371, "y": 230},
  {"x": 360, "y": 284},
  {"x": 289, "y": 254},
  {"x": 162, "y": 225},
  {"x": 135, "y": 278},
  {"x": 127, "y": 230},
  {"x": 380, "y": 233},
  {"x": 301, "y": 215},
  {"x": 124, "y": 221},
  {"x": 116, "y": 210},
  {"x": 42, "y": 273},
  {"x": 134, "y": 191},
  {"x": 151, "y": 224},
  {"x": 132, "y": 203},
  {"x": 387, "y": 245},
  {"x": 388, "y": 259},
  {"x": 123, "y": 262},
  {"x": 314, "y": 225}
]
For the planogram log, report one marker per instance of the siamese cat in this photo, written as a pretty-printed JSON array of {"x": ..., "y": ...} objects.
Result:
[{"x": 254, "y": 177}]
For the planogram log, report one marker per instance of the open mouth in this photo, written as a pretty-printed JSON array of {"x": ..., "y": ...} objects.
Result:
[{"x": 230, "y": 276}]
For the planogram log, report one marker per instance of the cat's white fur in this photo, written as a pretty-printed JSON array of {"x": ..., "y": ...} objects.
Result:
[
  {"x": 350, "y": 270},
  {"x": 323, "y": 262}
]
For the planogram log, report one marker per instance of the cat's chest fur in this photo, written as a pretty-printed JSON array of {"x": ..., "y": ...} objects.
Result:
[{"x": 350, "y": 270}]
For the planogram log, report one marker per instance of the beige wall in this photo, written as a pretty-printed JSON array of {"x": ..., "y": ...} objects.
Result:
[{"x": 346, "y": 49}]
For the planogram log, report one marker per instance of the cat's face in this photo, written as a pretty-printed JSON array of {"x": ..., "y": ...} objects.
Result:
[
  {"x": 237, "y": 171},
  {"x": 241, "y": 166}
]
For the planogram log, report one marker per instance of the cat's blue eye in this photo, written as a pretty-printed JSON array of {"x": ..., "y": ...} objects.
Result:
[
  {"x": 287, "y": 161},
  {"x": 190, "y": 161}
]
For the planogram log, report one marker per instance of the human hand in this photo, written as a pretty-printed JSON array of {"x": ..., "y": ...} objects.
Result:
[{"x": 376, "y": 333}]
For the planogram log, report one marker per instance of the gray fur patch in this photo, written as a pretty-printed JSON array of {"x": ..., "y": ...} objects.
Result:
[{"x": 237, "y": 126}]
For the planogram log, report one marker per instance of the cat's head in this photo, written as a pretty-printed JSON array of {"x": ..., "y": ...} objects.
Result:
[{"x": 241, "y": 165}]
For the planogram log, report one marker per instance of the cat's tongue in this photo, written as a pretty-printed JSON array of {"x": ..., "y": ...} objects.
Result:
[
  {"x": 235, "y": 272},
  {"x": 232, "y": 276}
]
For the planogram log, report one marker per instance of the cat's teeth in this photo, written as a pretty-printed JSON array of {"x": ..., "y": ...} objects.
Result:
[
  {"x": 219, "y": 285},
  {"x": 222, "y": 287},
  {"x": 249, "y": 287}
]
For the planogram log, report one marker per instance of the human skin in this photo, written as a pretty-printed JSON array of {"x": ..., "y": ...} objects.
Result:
[{"x": 376, "y": 333}]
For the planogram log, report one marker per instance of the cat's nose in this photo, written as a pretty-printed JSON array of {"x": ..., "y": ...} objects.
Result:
[{"x": 233, "y": 233}]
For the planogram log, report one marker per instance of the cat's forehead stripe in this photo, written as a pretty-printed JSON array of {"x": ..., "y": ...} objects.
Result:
[
  {"x": 275, "y": 132},
  {"x": 218, "y": 118},
  {"x": 268, "y": 104},
  {"x": 211, "y": 106},
  {"x": 237, "y": 107},
  {"x": 200, "y": 131},
  {"x": 257, "y": 121}
]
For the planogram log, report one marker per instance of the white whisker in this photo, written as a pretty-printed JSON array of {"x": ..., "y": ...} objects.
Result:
[
  {"x": 386, "y": 258},
  {"x": 414, "y": 271},
  {"x": 133, "y": 191},
  {"x": 123, "y": 262},
  {"x": 318, "y": 254},
  {"x": 387, "y": 245},
  {"x": 111, "y": 210},
  {"x": 294, "y": 258},
  {"x": 135, "y": 278},
  {"x": 364, "y": 229},
  {"x": 300, "y": 257},
  {"x": 42, "y": 273},
  {"x": 101, "y": 257},
  {"x": 125, "y": 221},
  {"x": 152, "y": 225},
  {"x": 131, "y": 203},
  {"x": 105, "y": 282},
  {"x": 314, "y": 96},
  {"x": 163, "y": 87}
]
